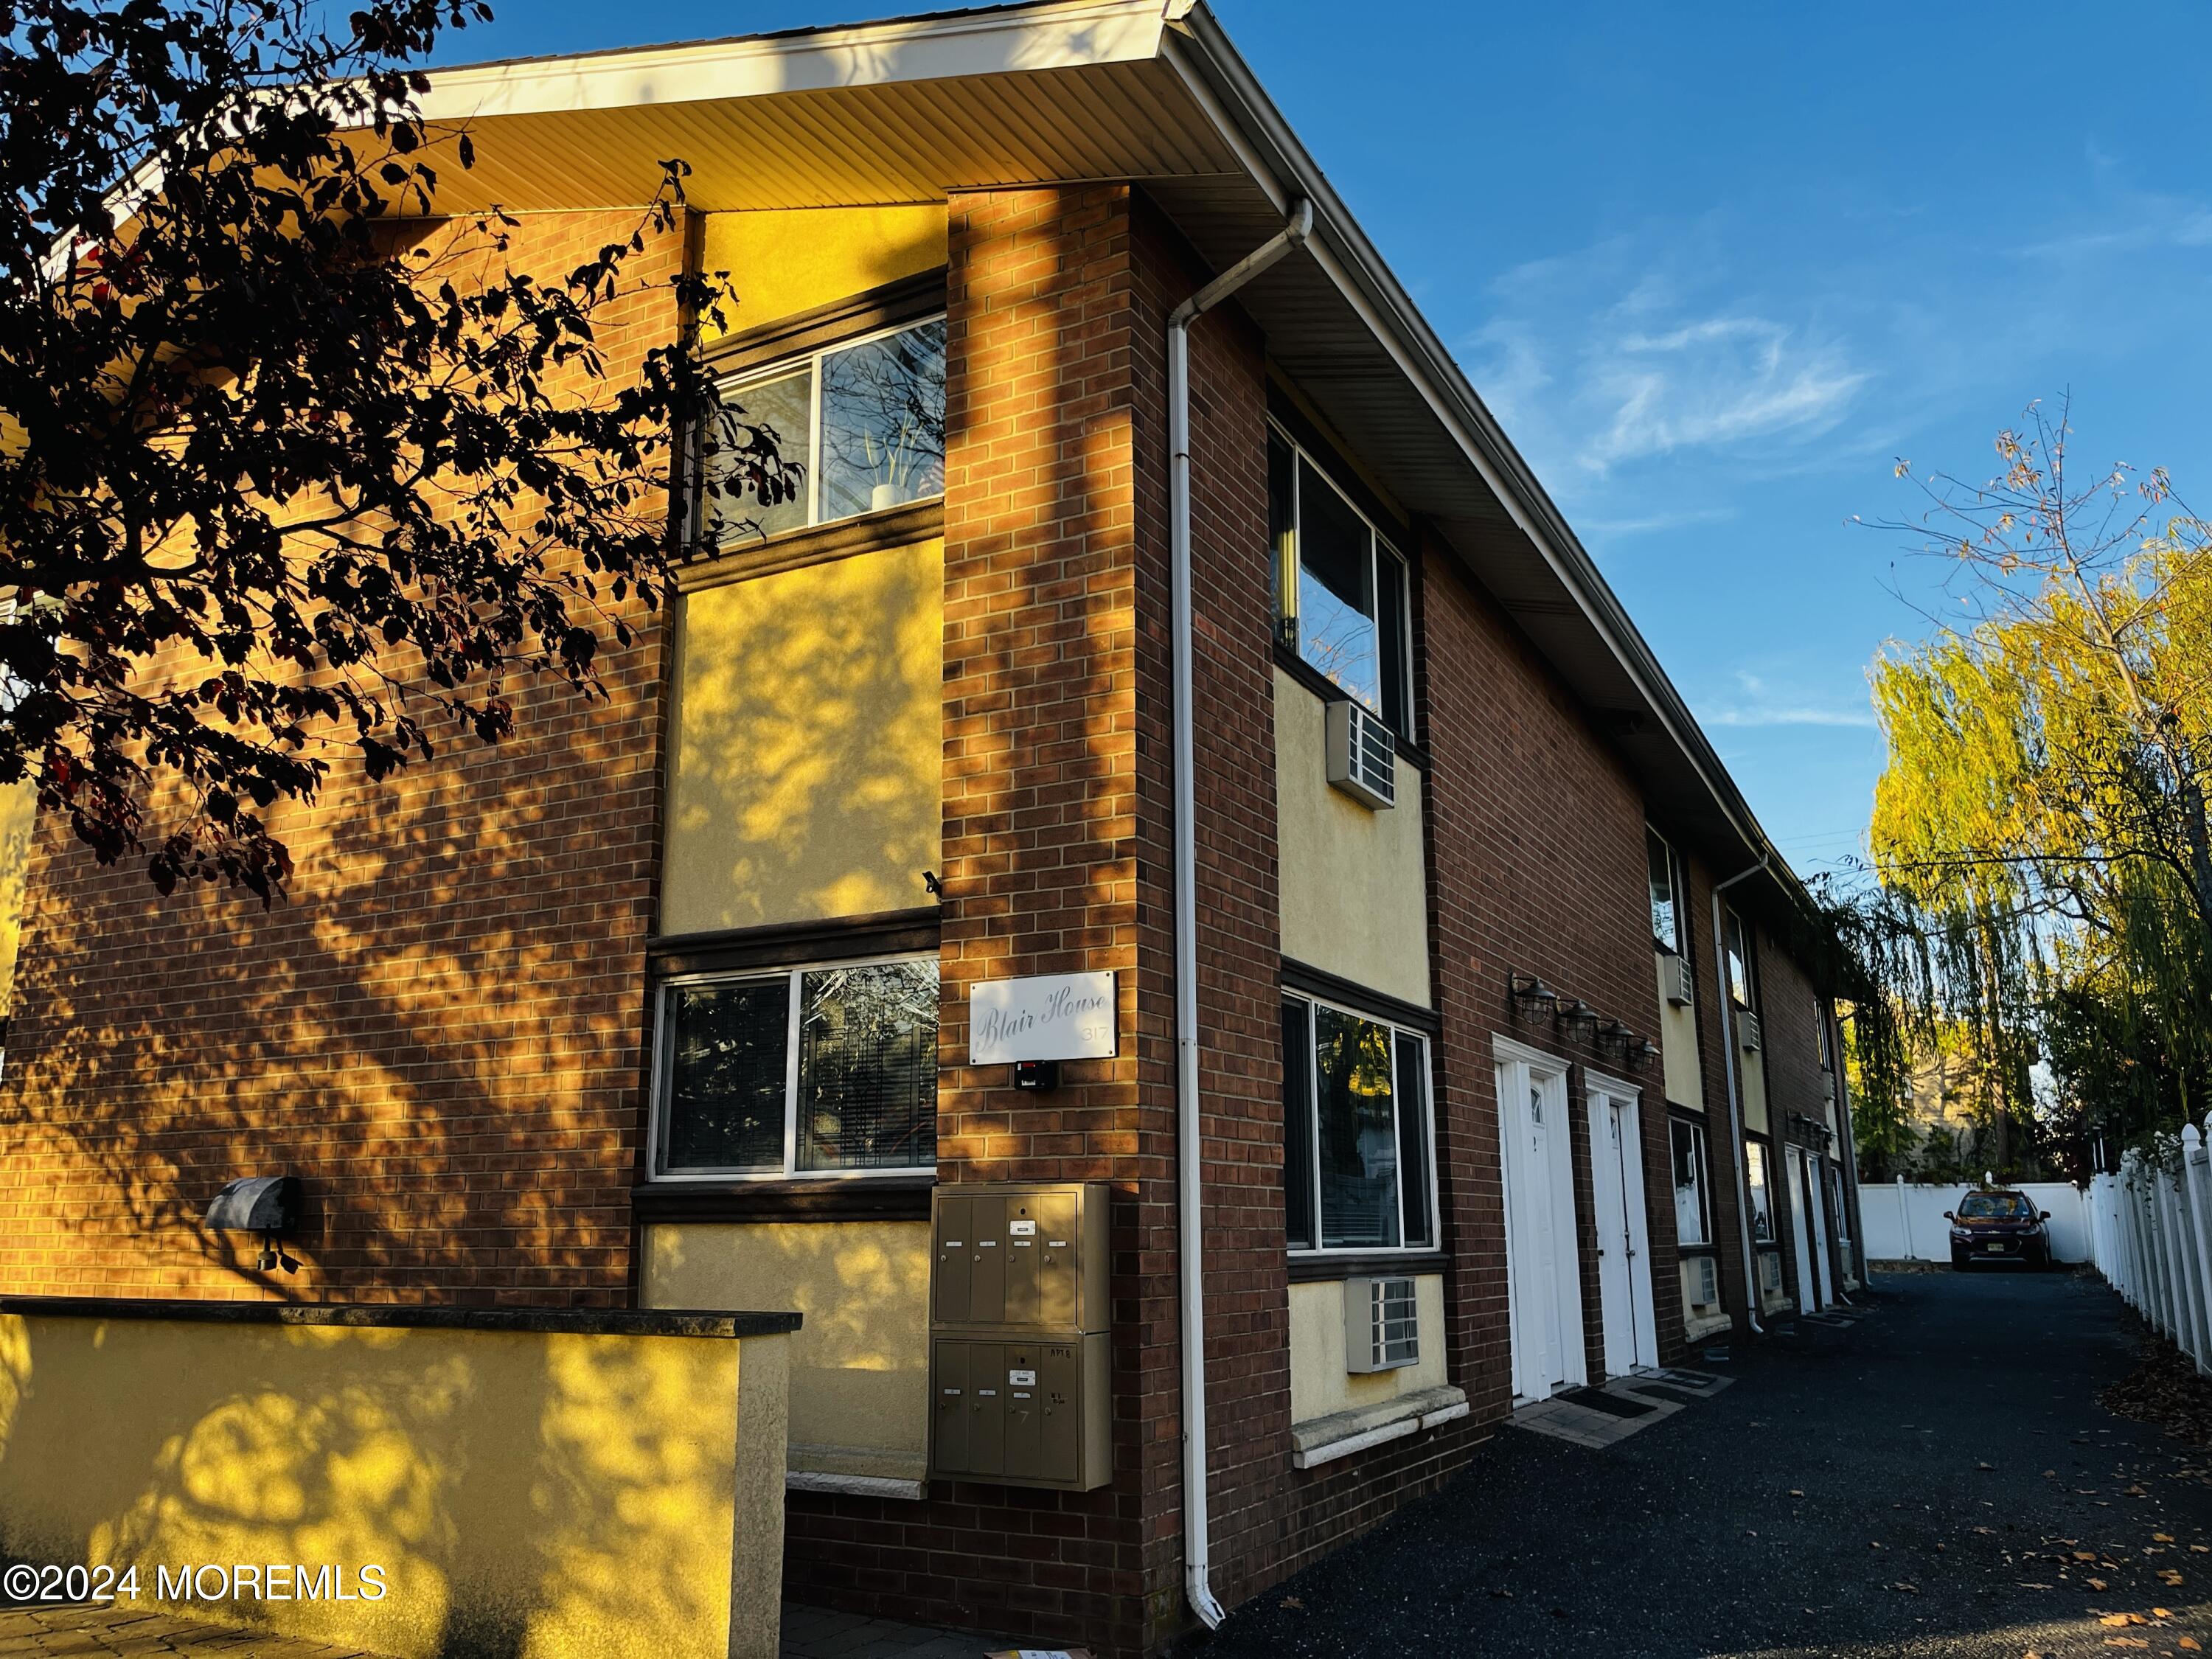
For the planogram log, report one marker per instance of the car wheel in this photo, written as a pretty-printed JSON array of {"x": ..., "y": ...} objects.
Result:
[{"x": 1959, "y": 1260}]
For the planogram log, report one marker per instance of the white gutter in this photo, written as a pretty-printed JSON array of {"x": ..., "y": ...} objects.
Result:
[
  {"x": 1190, "y": 1142},
  {"x": 1730, "y": 1059}
]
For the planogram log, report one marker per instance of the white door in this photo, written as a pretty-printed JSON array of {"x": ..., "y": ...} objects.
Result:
[
  {"x": 1623, "y": 1256},
  {"x": 1816, "y": 1206},
  {"x": 1796, "y": 1175},
  {"x": 1543, "y": 1288}
]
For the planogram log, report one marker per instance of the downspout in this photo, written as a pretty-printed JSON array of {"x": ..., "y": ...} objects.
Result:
[
  {"x": 1191, "y": 1231},
  {"x": 1729, "y": 1061}
]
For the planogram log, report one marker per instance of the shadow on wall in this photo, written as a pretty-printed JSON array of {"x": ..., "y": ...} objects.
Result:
[
  {"x": 522, "y": 1493},
  {"x": 440, "y": 1031},
  {"x": 808, "y": 743},
  {"x": 860, "y": 1362}
]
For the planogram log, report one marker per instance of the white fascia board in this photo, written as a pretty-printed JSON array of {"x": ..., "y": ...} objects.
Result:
[
  {"x": 1071, "y": 35},
  {"x": 1272, "y": 154}
]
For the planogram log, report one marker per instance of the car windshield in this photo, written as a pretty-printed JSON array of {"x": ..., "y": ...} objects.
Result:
[{"x": 1993, "y": 1207}]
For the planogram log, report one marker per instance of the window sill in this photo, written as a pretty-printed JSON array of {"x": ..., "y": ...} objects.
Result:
[
  {"x": 793, "y": 549},
  {"x": 885, "y": 1197},
  {"x": 1380, "y": 1264},
  {"x": 1696, "y": 1327},
  {"x": 1324, "y": 1439}
]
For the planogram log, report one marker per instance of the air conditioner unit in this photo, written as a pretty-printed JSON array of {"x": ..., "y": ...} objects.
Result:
[
  {"x": 1828, "y": 1089},
  {"x": 1769, "y": 1273},
  {"x": 1747, "y": 1023},
  {"x": 1362, "y": 755},
  {"x": 1705, "y": 1282},
  {"x": 1682, "y": 985},
  {"x": 1381, "y": 1324}
]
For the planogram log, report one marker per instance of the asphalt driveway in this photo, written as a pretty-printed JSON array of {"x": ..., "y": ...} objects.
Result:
[{"x": 1936, "y": 1480}]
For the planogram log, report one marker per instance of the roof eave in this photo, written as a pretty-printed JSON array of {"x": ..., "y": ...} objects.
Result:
[{"x": 1281, "y": 167}]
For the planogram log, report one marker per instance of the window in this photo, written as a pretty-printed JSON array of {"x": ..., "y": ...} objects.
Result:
[
  {"x": 1666, "y": 923},
  {"x": 866, "y": 421},
  {"x": 810, "y": 1071},
  {"x": 1827, "y": 1041},
  {"x": 1358, "y": 1164},
  {"x": 1340, "y": 590},
  {"x": 1693, "y": 1223},
  {"x": 1739, "y": 963},
  {"x": 1762, "y": 1197}
]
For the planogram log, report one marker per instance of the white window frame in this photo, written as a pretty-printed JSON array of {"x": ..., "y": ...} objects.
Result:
[
  {"x": 1379, "y": 547},
  {"x": 1675, "y": 885},
  {"x": 1732, "y": 919},
  {"x": 734, "y": 386},
  {"x": 1764, "y": 1186},
  {"x": 664, "y": 1030},
  {"x": 1705, "y": 1207},
  {"x": 1317, "y": 1251}
]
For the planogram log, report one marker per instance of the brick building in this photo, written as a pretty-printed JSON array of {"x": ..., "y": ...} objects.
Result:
[{"x": 1496, "y": 998}]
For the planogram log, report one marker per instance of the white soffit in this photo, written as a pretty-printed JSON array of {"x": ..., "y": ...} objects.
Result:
[{"x": 1147, "y": 90}]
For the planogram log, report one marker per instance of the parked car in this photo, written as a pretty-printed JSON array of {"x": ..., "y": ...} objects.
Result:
[{"x": 1999, "y": 1226}]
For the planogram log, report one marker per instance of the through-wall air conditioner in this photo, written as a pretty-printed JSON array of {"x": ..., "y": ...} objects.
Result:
[
  {"x": 1681, "y": 989},
  {"x": 1769, "y": 1273},
  {"x": 1362, "y": 755},
  {"x": 1749, "y": 1026},
  {"x": 1381, "y": 1324},
  {"x": 1705, "y": 1275}
]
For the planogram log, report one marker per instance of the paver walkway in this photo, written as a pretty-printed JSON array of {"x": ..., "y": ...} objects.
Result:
[{"x": 1938, "y": 1479}]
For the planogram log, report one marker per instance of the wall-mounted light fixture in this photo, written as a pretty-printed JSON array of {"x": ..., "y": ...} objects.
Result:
[
  {"x": 1575, "y": 1011},
  {"x": 1614, "y": 1034},
  {"x": 266, "y": 1205},
  {"x": 1530, "y": 994},
  {"x": 1641, "y": 1055}
]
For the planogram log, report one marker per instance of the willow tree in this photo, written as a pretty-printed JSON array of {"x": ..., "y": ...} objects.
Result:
[{"x": 2041, "y": 820}]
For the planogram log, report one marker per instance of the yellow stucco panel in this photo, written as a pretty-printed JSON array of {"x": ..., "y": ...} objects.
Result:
[
  {"x": 1678, "y": 1042},
  {"x": 784, "y": 262},
  {"x": 859, "y": 1392},
  {"x": 1320, "y": 1384},
  {"x": 1353, "y": 888},
  {"x": 1751, "y": 1073},
  {"x": 805, "y": 769},
  {"x": 554, "y": 1495}
]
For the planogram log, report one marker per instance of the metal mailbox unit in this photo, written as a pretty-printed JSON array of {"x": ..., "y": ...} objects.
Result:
[{"x": 1017, "y": 1342}]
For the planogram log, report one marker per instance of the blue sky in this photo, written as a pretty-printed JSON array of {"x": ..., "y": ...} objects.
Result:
[{"x": 1718, "y": 268}]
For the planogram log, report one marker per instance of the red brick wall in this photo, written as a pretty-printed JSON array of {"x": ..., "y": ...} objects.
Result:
[
  {"x": 1537, "y": 866},
  {"x": 1054, "y": 637},
  {"x": 439, "y": 1030}
]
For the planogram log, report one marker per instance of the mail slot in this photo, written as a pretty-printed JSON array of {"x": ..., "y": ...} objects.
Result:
[
  {"x": 1021, "y": 1412},
  {"x": 1012, "y": 1257}
]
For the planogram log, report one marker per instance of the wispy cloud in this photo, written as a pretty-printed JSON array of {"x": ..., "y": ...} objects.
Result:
[
  {"x": 1760, "y": 705},
  {"x": 1712, "y": 382},
  {"x": 1603, "y": 359}
]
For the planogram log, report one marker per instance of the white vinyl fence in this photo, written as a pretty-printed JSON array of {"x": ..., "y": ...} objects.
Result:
[
  {"x": 1906, "y": 1222},
  {"x": 2151, "y": 1224}
]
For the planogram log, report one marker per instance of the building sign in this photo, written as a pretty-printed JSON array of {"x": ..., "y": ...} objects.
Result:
[{"x": 1054, "y": 1017}]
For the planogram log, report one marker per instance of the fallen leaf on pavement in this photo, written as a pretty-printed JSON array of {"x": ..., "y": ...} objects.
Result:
[
  {"x": 2161, "y": 1538},
  {"x": 2161, "y": 1613},
  {"x": 1985, "y": 1466},
  {"x": 2097, "y": 1583},
  {"x": 1910, "y": 1590},
  {"x": 2126, "y": 1641},
  {"x": 2192, "y": 1644},
  {"x": 2169, "y": 1575},
  {"x": 1795, "y": 1493},
  {"x": 1294, "y": 1601}
]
